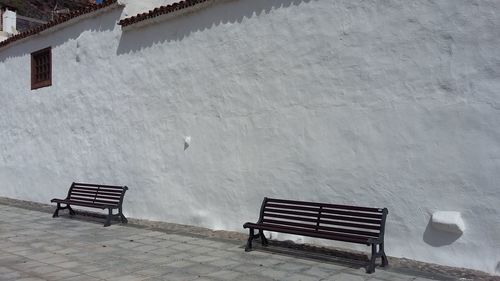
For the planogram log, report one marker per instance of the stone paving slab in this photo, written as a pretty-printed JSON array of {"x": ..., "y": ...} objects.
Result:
[{"x": 34, "y": 246}]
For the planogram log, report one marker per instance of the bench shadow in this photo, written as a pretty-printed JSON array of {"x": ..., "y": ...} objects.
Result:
[
  {"x": 314, "y": 253},
  {"x": 91, "y": 217}
]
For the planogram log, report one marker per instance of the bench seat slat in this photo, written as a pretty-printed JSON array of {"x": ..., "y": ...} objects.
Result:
[
  {"x": 97, "y": 185},
  {"x": 94, "y": 195},
  {"x": 335, "y": 206},
  {"x": 293, "y": 207},
  {"x": 326, "y": 211},
  {"x": 87, "y": 199},
  {"x": 108, "y": 197},
  {"x": 90, "y": 195},
  {"x": 317, "y": 234},
  {"x": 84, "y": 191},
  {"x": 324, "y": 222},
  {"x": 311, "y": 214},
  {"x": 110, "y": 193},
  {"x": 296, "y": 213},
  {"x": 92, "y": 200},
  {"x": 339, "y": 218},
  {"x": 349, "y": 224},
  {"x": 352, "y": 214},
  {"x": 83, "y": 203},
  {"x": 309, "y": 219},
  {"x": 323, "y": 210},
  {"x": 321, "y": 227},
  {"x": 106, "y": 201},
  {"x": 104, "y": 191}
]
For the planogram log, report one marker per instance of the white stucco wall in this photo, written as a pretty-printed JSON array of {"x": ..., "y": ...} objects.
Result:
[
  {"x": 133, "y": 7},
  {"x": 379, "y": 103}
]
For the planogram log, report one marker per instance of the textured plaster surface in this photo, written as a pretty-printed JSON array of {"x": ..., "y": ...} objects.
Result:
[
  {"x": 378, "y": 103},
  {"x": 133, "y": 7}
]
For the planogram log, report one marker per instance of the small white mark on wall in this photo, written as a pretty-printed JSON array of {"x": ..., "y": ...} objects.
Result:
[{"x": 187, "y": 142}]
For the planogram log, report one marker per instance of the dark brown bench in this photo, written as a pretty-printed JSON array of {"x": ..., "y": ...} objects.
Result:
[
  {"x": 94, "y": 196},
  {"x": 361, "y": 225}
]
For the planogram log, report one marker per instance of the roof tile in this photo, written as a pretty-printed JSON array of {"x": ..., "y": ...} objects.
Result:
[
  {"x": 57, "y": 21},
  {"x": 162, "y": 10}
]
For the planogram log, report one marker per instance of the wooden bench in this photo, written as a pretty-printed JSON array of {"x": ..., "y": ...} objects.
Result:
[
  {"x": 94, "y": 196},
  {"x": 361, "y": 225}
]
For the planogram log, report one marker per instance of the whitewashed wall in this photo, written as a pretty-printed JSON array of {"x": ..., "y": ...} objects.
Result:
[
  {"x": 133, "y": 7},
  {"x": 380, "y": 103}
]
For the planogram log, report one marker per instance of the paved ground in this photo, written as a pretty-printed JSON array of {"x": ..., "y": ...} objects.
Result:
[{"x": 33, "y": 246}]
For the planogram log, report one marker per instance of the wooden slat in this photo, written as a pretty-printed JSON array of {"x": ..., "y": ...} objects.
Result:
[
  {"x": 84, "y": 191},
  {"x": 100, "y": 189},
  {"x": 111, "y": 188},
  {"x": 353, "y": 214},
  {"x": 98, "y": 185},
  {"x": 105, "y": 192},
  {"x": 344, "y": 218},
  {"x": 298, "y": 224},
  {"x": 335, "y": 206},
  {"x": 82, "y": 203},
  {"x": 108, "y": 197},
  {"x": 267, "y": 211},
  {"x": 84, "y": 188},
  {"x": 324, "y": 222},
  {"x": 326, "y": 228},
  {"x": 94, "y": 199},
  {"x": 82, "y": 198},
  {"x": 314, "y": 220},
  {"x": 318, "y": 234},
  {"x": 82, "y": 194},
  {"x": 278, "y": 207},
  {"x": 349, "y": 219},
  {"x": 106, "y": 201},
  {"x": 348, "y": 224},
  {"x": 110, "y": 193},
  {"x": 72, "y": 201},
  {"x": 297, "y": 213},
  {"x": 292, "y": 207}
]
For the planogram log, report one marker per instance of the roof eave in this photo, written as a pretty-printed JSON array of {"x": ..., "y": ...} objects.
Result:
[
  {"x": 58, "y": 24},
  {"x": 164, "y": 13}
]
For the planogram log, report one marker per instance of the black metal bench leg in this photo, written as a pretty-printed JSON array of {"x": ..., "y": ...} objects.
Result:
[
  {"x": 71, "y": 211},
  {"x": 371, "y": 266},
  {"x": 385, "y": 262},
  {"x": 110, "y": 215},
  {"x": 122, "y": 216},
  {"x": 251, "y": 235},
  {"x": 263, "y": 238},
  {"x": 56, "y": 213}
]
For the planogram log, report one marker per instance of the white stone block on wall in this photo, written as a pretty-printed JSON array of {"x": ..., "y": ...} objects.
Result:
[{"x": 448, "y": 221}]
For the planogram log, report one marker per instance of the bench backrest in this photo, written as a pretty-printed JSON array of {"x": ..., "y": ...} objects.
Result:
[
  {"x": 340, "y": 220},
  {"x": 97, "y": 193}
]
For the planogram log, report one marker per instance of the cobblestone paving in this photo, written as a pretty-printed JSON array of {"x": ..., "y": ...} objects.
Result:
[{"x": 33, "y": 246}]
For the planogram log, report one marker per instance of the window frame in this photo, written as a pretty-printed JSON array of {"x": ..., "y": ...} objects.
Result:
[{"x": 44, "y": 83}]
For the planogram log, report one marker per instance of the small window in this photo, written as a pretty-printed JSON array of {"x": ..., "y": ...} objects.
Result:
[{"x": 41, "y": 68}]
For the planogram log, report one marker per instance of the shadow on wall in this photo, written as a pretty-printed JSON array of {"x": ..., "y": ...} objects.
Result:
[
  {"x": 437, "y": 238},
  {"x": 99, "y": 23},
  {"x": 177, "y": 28}
]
